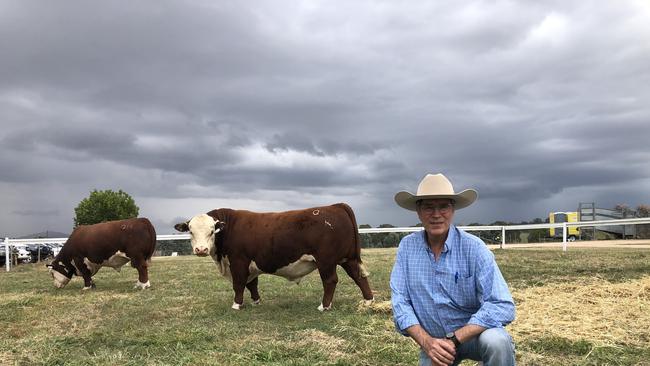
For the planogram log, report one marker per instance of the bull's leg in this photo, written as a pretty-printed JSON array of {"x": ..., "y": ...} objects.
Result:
[
  {"x": 85, "y": 273},
  {"x": 355, "y": 270},
  {"x": 239, "y": 271},
  {"x": 142, "y": 266},
  {"x": 252, "y": 288},
  {"x": 329, "y": 278}
]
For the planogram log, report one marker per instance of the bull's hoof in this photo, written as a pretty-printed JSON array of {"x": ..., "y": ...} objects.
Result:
[
  {"x": 142, "y": 286},
  {"x": 257, "y": 302},
  {"x": 323, "y": 308},
  {"x": 368, "y": 302},
  {"x": 91, "y": 287},
  {"x": 237, "y": 306}
]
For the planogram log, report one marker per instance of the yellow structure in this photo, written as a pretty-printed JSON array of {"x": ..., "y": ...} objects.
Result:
[{"x": 572, "y": 232}]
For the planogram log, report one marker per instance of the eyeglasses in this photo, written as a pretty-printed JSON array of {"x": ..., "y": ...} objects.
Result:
[{"x": 443, "y": 208}]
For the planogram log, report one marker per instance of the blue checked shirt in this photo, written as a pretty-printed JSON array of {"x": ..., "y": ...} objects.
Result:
[{"x": 463, "y": 287}]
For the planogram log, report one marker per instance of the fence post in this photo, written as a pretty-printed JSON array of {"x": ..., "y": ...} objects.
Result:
[
  {"x": 503, "y": 236},
  {"x": 564, "y": 236},
  {"x": 7, "y": 256}
]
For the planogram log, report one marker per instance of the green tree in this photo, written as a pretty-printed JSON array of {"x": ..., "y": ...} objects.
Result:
[
  {"x": 103, "y": 206},
  {"x": 391, "y": 240},
  {"x": 366, "y": 241},
  {"x": 180, "y": 246},
  {"x": 643, "y": 230}
]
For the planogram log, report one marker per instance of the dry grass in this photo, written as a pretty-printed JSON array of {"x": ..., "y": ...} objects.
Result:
[
  {"x": 330, "y": 345},
  {"x": 378, "y": 307},
  {"x": 591, "y": 309}
]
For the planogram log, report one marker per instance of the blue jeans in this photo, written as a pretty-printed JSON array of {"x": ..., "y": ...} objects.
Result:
[{"x": 494, "y": 347}]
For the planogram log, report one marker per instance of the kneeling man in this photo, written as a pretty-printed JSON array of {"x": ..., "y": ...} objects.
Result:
[{"x": 447, "y": 291}]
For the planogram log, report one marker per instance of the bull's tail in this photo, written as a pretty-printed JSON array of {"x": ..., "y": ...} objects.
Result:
[
  {"x": 357, "y": 239},
  {"x": 363, "y": 270},
  {"x": 152, "y": 235},
  {"x": 360, "y": 273}
]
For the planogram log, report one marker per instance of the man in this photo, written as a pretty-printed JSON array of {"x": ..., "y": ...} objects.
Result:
[{"x": 447, "y": 291}]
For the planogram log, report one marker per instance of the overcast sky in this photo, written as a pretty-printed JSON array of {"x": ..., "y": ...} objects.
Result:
[{"x": 269, "y": 106}]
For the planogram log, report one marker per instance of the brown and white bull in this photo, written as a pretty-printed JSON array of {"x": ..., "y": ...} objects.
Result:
[
  {"x": 290, "y": 244},
  {"x": 108, "y": 244}
]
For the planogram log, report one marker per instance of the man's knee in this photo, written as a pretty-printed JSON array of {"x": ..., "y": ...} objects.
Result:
[{"x": 496, "y": 341}]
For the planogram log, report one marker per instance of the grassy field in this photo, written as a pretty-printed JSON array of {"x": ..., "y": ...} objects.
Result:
[{"x": 583, "y": 307}]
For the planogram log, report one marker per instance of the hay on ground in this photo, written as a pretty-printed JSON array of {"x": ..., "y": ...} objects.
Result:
[
  {"x": 330, "y": 345},
  {"x": 592, "y": 309},
  {"x": 379, "y": 307}
]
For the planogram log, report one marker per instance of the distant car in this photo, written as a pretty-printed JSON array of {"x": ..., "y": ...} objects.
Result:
[
  {"x": 56, "y": 248},
  {"x": 22, "y": 253},
  {"x": 39, "y": 252}
]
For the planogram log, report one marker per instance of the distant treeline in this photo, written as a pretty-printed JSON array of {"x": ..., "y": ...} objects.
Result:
[{"x": 167, "y": 247}]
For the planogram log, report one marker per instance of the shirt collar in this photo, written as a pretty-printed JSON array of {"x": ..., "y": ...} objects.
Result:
[
  {"x": 452, "y": 238},
  {"x": 450, "y": 243}
]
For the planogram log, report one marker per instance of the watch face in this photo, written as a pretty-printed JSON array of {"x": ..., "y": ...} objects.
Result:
[{"x": 450, "y": 335}]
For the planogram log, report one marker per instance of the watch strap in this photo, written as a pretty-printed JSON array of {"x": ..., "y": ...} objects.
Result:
[{"x": 452, "y": 336}]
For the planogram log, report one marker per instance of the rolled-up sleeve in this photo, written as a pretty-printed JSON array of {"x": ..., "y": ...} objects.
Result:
[
  {"x": 497, "y": 306},
  {"x": 403, "y": 313}
]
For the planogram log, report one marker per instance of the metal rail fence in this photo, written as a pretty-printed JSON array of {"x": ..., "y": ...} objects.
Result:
[{"x": 503, "y": 228}]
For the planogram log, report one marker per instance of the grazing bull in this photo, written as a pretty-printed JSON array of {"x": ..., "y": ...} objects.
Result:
[
  {"x": 111, "y": 244},
  {"x": 291, "y": 244}
]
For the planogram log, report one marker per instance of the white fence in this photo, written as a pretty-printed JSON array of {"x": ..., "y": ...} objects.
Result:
[
  {"x": 8, "y": 242},
  {"x": 504, "y": 228}
]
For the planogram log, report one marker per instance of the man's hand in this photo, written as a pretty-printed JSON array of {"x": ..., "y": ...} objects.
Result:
[{"x": 442, "y": 352}]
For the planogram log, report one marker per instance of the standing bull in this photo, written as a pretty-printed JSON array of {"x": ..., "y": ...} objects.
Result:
[
  {"x": 111, "y": 244},
  {"x": 290, "y": 244}
]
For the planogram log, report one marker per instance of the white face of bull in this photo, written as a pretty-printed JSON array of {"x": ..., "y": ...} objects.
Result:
[
  {"x": 60, "y": 280},
  {"x": 203, "y": 229}
]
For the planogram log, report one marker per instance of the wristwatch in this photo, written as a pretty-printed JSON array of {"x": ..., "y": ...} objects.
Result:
[{"x": 452, "y": 336}]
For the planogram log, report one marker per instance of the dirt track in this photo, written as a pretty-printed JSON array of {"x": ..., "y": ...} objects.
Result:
[{"x": 643, "y": 244}]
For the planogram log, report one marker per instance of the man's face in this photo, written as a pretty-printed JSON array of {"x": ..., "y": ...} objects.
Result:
[{"x": 436, "y": 215}]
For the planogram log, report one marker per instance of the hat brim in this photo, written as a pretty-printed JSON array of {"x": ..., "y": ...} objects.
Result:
[{"x": 463, "y": 199}]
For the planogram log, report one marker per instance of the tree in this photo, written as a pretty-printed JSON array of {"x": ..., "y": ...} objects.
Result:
[
  {"x": 103, "y": 206},
  {"x": 180, "y": 246},
  {"x": 624, "y": 209},
  {"x": 643, "y": 230},
  {"x": 366, "y": 239},
  {"x": 390, "y": 240}
]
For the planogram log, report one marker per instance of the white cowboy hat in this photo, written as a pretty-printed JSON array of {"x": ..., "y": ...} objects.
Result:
[{"x": 435, "y": 186}]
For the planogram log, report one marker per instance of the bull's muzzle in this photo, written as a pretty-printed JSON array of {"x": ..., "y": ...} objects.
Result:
[
  {"x": 59, "y": 280},
  {"x": 201, "y": 252}
]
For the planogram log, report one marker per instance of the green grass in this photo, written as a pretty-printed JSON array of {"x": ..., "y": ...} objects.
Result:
[{"x": 185, "y": 318}]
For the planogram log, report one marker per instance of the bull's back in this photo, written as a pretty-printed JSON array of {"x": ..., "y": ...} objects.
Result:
[
  {"x": 286, "y": 236},
  {"x": 100, "y": 241}
]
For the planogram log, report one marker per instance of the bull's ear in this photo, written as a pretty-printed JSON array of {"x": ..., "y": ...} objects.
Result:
[
  {"x": 219, "y": 225},
  {"x": 182, "y": 227}
]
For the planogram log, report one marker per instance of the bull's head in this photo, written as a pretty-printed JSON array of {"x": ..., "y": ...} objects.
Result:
[
  {"x": 60, "y": 274},
  {"x": 203, "y": 229}
]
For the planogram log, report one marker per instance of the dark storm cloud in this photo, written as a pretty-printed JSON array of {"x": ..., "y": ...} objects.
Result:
[
  {"x": 183, "y": 103},
  {"x": 36, "y": 213},
  {"x": 319, "y": 147}
]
